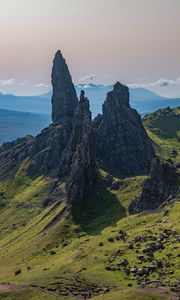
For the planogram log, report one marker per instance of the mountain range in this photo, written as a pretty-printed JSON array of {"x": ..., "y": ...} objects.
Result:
[
  {"x": 35, "y": 110},
  {"x": 14, "y": 124}
]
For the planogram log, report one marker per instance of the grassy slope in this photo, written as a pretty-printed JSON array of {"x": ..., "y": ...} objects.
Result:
[
  {"x": 163, "y": 128},
  {"x": 31, "y": 245},
  {"x": 67, "y": 256}
]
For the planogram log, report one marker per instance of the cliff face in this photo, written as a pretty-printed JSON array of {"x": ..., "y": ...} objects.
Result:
[
  {"x": 47, "y": 149},
  {"x": 162, "y": 184},
  {"x": 78, "y": 158},
  {"x": 64, "y": 99},
  {"x": 123, "y": 147}
]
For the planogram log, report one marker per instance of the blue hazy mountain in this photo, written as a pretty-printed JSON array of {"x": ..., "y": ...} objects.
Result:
[
  {"x": 33, "y": 104},
  {"x": 14, "y": 124},
  {"x": 143, "y": 100},
  {"x": 22, "y": 115}
]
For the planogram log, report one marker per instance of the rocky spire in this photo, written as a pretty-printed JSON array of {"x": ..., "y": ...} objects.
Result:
[
  {"x": 50, "y": 143},
  {"x": 123, "y": 147},
  {"x": 64, "y": 99},
  {"x": 162, "y": 184},
  {"x": 78, "y": 158}
]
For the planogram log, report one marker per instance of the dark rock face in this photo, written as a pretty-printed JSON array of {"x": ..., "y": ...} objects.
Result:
[
  {"x": 13, "y": 154},
  {"x": 47, "y": 149},
  {"x": 123, "y": 147},
  {"x": 64, "y": 99},
  {"x": 78, "y": 158},
  {"x": 51, "y": 142},
  {"x": 162, "y": 184}
]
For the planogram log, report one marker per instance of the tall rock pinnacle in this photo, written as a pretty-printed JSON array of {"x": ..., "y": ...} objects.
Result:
[
  {"x": 64, "y": 98},
  {"x": 50, "y": 143},
  {"x": 78, "y": 158},
  {"x": 123, "y": 146}
]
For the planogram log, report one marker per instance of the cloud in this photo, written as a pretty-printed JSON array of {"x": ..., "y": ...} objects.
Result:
[
  {"x": 23, "y": 82},
  {"x": 163, "y": 83},
  {"x": 87, "y": 79},
  {"x": 42, "y": 85},
  {"x": 7, "y": 82}
]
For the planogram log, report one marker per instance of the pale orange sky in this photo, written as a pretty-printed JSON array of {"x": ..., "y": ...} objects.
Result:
[{"x": 126, "y": 40}]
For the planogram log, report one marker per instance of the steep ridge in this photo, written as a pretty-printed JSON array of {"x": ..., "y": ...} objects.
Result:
[{"x": 123, "y": 146}]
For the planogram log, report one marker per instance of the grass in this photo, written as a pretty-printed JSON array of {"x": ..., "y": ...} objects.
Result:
[
  {"x": 64, "y": 253},
  {"x": 163, "y": 127},
  {"x": 164, "y": 122},
  {"x": 31, "y": 245},
  {"x": 34, "y": 295},
  {"x": 130, "y": 295}
]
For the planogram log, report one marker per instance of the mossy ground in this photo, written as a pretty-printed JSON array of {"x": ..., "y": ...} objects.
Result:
[{"x": 65, "y": 254}]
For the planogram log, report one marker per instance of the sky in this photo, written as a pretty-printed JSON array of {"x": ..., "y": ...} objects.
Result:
[{"x": 134, "y": 41}]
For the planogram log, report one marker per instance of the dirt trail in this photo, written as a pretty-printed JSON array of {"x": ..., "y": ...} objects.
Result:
[{"x": 14, "y": 287}]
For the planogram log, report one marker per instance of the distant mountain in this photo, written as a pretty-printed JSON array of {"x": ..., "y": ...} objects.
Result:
[
  {"x": 39, "y": 107},
  {"x": 143, "y": 100},
  {"x": 33, "y": 104},
  {"x": 14, "y": 124},
  {"x": 146, "y": 101}
]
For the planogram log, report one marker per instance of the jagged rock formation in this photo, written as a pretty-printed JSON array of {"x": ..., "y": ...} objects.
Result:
[
  {"x": 123, "y": 147},
  {"x": 47, "y": 149},
  {"x": 162, "y": 184},
  {"x": 50, "y": 143},
  {"x": 67, "y": 147},
  {"x": 78, "y": 158},
  {"x": 64, "y": 98},
  {"x": 12, "y": 154}
]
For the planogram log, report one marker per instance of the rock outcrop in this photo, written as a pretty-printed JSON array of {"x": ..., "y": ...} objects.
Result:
[
  {"x": 12, "y": 154},
  {"x": 64, "y": 98},
  {"x": 47, "y": 149},
  {"x": 78, "y": 159},
  {"x": 162, "y": 184},
  {"x": 51, "y": 142},
  {"x": 123, "y": 147}
]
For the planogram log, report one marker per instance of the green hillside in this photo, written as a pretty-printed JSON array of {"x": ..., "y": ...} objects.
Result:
[
  {"x": 163, "y": 127},
  {"x": 93, "y": 250}
]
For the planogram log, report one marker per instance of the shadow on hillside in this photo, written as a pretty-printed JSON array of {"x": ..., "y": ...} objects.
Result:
[{"x": 100, "y": 211}]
